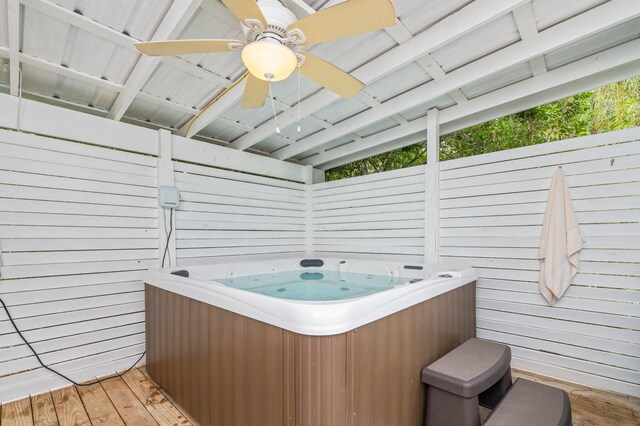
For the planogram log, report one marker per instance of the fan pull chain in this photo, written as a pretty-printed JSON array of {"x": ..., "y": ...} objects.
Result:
[
  {"x": 273, "y": 108},
  {"x": 298, "y": 97}
]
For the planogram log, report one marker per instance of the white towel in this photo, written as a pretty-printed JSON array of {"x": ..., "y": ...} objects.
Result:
[{"x": 560, "y": 242}]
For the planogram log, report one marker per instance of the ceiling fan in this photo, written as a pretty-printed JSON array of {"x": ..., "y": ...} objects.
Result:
[{"x": 274, "y": 37}]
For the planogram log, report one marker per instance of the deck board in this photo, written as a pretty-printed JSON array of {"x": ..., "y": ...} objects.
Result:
[
  {"x": 44, "y": 412},
  {"x": 17, "y": 413},
  {"x": 129, "y": 407},
  {"x": 169, "y": 398},
  {"x": 99, "y": 407},
  {"x": 135, "y": 400},
  {"x": 155, "y": 402},
  {"x": 69, "y": 407}
]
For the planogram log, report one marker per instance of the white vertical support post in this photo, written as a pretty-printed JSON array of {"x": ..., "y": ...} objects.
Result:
[
  {"x": 318, "y": 176},
  {"x": 308, "y": 221},
  {"x": 166, "y": 178},
  {"x": 432, "y": 189},
  {"x": 13, "y": 31}
]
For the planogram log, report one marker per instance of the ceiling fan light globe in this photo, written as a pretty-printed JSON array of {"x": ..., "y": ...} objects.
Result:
[{"x": 265, "y": 59}]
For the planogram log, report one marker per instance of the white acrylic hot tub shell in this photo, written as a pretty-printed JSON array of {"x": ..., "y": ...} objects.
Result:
[{"x": 315, "y": 318}]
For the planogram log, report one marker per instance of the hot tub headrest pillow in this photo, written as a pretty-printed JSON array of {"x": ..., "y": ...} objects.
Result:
[
  {"x": 308, "y": 263},
  {"x": 181, "y": 273}
]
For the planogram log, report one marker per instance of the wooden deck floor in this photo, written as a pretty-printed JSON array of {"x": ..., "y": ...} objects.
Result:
[{"x": 134, "y": 400}]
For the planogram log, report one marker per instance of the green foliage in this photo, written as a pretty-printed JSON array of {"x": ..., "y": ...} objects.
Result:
[
  {"x": 399, "y": 159},
  {"x": 605, "y": 109}
]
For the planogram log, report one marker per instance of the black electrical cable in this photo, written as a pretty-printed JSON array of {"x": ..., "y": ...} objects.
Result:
[
  {"x": 15, "y": 327},
  {"x": 166, "y": 248}
]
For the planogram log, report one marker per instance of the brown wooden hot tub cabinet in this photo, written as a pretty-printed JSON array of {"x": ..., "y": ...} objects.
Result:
[{"x": 227, "y": 369}]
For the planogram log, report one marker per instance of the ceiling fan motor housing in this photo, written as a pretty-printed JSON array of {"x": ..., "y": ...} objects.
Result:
[
  {"x": 278, "y": 19},
  {"x": 276, "y": 14}
]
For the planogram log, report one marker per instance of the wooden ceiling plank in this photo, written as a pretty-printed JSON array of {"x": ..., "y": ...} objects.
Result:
[{"x": 526, "y": 23}]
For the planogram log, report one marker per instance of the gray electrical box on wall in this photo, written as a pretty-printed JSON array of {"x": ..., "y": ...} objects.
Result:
[{"x": 168, "y": 197}]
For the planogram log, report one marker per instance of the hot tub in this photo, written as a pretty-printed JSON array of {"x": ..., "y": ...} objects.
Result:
[{"x": 303, "y": 341}]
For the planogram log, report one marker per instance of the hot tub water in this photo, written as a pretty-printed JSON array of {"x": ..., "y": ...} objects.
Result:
[{"x": 319, "y": 285}]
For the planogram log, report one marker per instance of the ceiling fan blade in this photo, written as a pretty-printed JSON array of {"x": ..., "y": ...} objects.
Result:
[
  {"x": 246, "y": 9},
  {"x": 346, "y": 19},
  {"x": 330, "y": 76},
  {"x": 186, "y": 47},
  {"x": 255, "y": 92}
]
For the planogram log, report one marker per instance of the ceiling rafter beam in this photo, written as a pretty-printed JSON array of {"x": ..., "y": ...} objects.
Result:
[
  {"x": 400, "y": 119},
  {"x": 131, "y": 120},
  {"x": 235, "y": 124},
  {"x": 75, "y": 19},
  {"x": 63, "y": 71},
  {"x": 189, "y": 110},
  {"x": 403, "y": 130},
  {"x": 372, "y": 102},
  {"x": 13, "y": 29},
  {"x": 169, "y": 27},
  {"x": 196, "y": 71},
  {"x": 370, "y": 152},
  {"x": 367, "y": 99},
  {"x": 165, "y": 103},
  {"x": 281, "y": 105},
  {"x": 595, "y": 20},
  {"x": 527, "y": 27},
  {"x": 602, "y": 68},
  {"x": 62, "y": 103},
  {"x": 319, "y": 121},
  {"x": 433, "y": 68},
  {"x": 463, "y": 21},
  {"x": 298, "y": 7},
  {"x": 458, "y": 97},
  {"x": 400, "y": 33}
]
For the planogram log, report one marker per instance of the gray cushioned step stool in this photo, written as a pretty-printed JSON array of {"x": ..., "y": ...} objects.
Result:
[
  {"x": 476, "y": 372},
  {"x": 532, "y": 404}
]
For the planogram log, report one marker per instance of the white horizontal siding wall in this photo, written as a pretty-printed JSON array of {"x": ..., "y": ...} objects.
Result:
[
  {"x": 381, "y": 214},
  {"x": 491, "y": 215},
  {"x": 224, "y": 213},
  {"x": 78, "y": 226}
]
